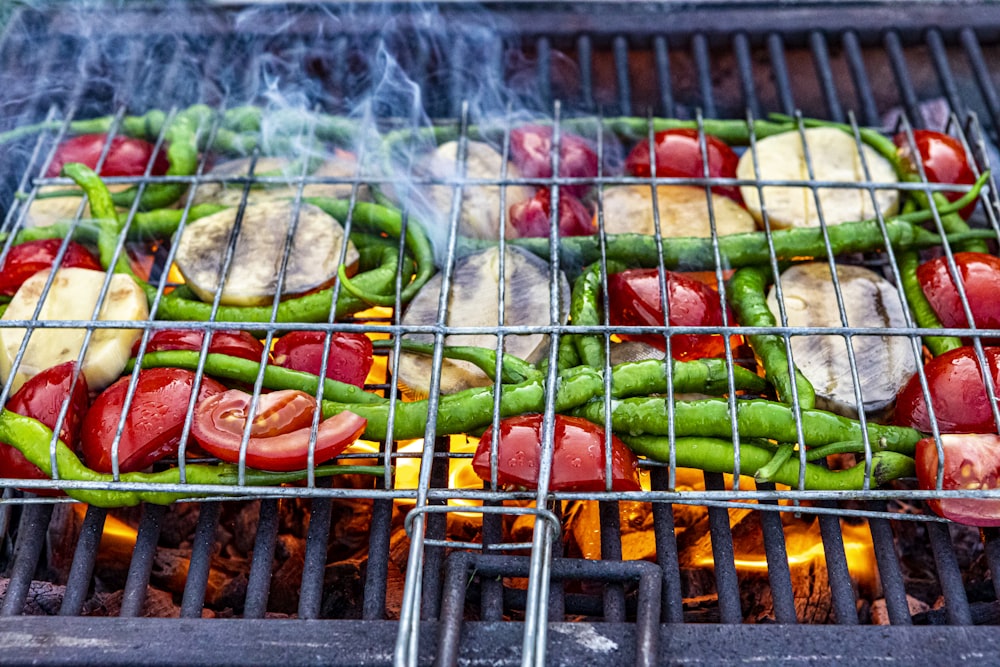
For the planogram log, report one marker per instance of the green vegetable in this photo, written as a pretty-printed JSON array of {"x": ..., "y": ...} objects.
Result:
[
  {"x": 714, "y": 455},
  {"x": 585, "y": 311},
  {"x": 748, "y": 298},
  {"x": 755, "y": 418},
  {"x": 923, "y": 313},
  {"x": 33, "y": 439}
]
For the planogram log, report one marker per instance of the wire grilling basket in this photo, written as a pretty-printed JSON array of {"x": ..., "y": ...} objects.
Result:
[{"x": 426, "y": 486}]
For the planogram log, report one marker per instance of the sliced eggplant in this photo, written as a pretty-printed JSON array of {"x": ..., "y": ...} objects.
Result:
[
  {"x": 473, "y": 302},
  {"x": 481, "y": 206},
  {"x": 884, "y": 363},
  {"x": 73, "y": 296},
  {"x": 683, "y": 211},
  {"x": 253, "y": 274},
  {"x": 341, "y": 165},
  {"x": 834, "y": 156}
]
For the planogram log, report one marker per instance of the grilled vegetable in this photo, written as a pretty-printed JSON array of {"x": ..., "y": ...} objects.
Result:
[
  {"x": 348, "y": 355},
  {"x": 481, "y": 208},
  {"x": 683, "y": 211},
  {"x": 884, "y": 363},
  {"x": 957, "y": 391},
  {"x": 534, "y": 217},
  {"x": 154, "y": 421},
  {"x": 577, "y": 459},
  {"x": 125, "y": 156},
  {"x": 679, "y": 155},
  {"x": 280, "y": 429},
  {"x": 42, "y": 398},
  {"x": 531, "y": 152},
  {"x": 73, "y": 296},
  {"x": 232, "y": 343},
  {"x": 260, "y": 247},
  {"x": 943, "y": 160},
  {"x": 980, "y": 277},
  {"x": 472, "y": 302},
  {"x": 971, "y": 462},
  {"x": 833, "y": 156}
]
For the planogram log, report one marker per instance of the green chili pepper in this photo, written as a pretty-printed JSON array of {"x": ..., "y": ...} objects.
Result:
[
  {"x": 386, "y": 221},
  {"x": 755, "y": 418},
  {"x": 33, "y": 439},
  {"x": 747, "y": 295},
  {"x": 513, "y": 369},
  {"x": 585, "y": 310},
  {"x": 244, "y": 370},
  {"x": 705, "y": 376},
  {"x": 712, "y": 455},
  {"x": 923, "y": 312}
]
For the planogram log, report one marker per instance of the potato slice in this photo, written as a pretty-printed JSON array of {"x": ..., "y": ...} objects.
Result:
[
  {"x": 834, "y": 157},
  {"x": 683, "y": 211},
  {"x": 253, "y": 276},
  {"x": 73, "y": 296}
]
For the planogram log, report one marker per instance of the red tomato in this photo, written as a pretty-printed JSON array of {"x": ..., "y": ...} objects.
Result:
[
  {"x": 531, "y": 151},
  {"x": 961, "y": 404},
  {"x": 233, "y": 343},
  {"x": 279, "y": 433},
  {"x": 155, "y": 419},
  {"x": 42, "y": 398},
  {"x": 126, "y": 157},
  {"x": 531, "y": 217},
  {"x": 980, "y": 274},
  {"x": 678, "y": 155},
  {"x": 350, "y": 357},
  {"x": 577, "y": 457},
  {"x": 971, "y": 461},
  {"x": 943, "y": 157},
  {"x": 634, "y": 299},
  {"x": 27, "y": 259}
]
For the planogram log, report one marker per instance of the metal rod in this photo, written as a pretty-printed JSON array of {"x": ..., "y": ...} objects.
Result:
[
  {"x": 200, "y": 566},
  {"x": 259, "y": 579},
  {"x": 84, "y": 560},
  {"x": 27, "y": 550},
  {"x": 141, "y": 566}
]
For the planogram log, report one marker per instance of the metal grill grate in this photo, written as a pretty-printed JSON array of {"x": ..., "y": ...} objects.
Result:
[{"x": 647, "y": 60}]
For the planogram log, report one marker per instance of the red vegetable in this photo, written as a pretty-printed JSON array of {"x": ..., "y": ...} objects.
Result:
[
  {"x": 577, "y": 458},
  {"x": 279, "y": 434},
  {"x": 943, "y": 157},
  {"x": 634, "y": 298},
  {"x": 234, "y": 343},
  {"x": 531, "y": 217},
  {"x": 126, "y": 157},
  {"x": 980, "y": 275},
  {"x": 531, "y": 148},
  {"x": 42, "y": 398},
  {"x": 350, "y": 357},
  {"x": 27, "y": 259},
  {"x": 971, "y": 461},
  {"x": 678, "y": 155},
  {"x": 155, "y": 419},
  {"x": 956, "y": 386}
]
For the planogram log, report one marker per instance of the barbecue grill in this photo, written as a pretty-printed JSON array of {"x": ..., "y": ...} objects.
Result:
[{"x": 502, "y": 596}]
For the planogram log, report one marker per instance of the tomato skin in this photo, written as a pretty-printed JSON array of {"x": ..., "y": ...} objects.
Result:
[
  {"x": 531, "y": 218},
  {"x": 577, "y": 459},
  {"x": 678, "y": 155},
  {"x": 350, "y": 358},
  {"x": 42, "y": 398},
  {"x": 530, "y": 148},
  {"x": 634, "y": 299},
  {"x": 233, "y": 343},
  {"x": 980, "y": 276},
  {"x": 126, "y": 157},
  {"x": 27, "y": 259},
  {"x": 943, "y": 157},
  {"x": 971, "y": 461},
  {"x": 279, "y": 434},
  {"x": 961, "y": 404},
  {"x": 155, "y": 419}
]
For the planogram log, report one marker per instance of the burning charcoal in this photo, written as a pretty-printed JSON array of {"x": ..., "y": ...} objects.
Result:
[
  {"x": 178, "y": 524},
  {"x": 44, "y": 598},
  {"x": 343, "y": 590},
  {"x": 287, "y": 577}
]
